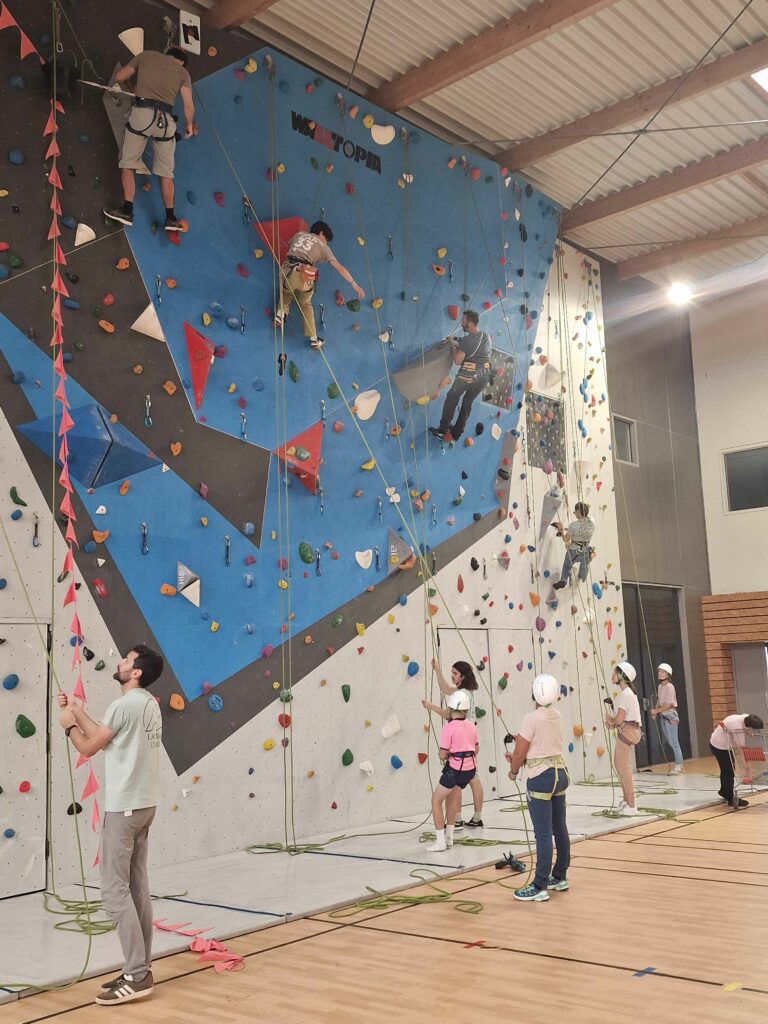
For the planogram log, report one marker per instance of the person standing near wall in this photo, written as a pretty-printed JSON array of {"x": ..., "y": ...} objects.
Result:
[
  {"x": 577, "y": 538},
  {"x": 666, "y": 709},
  {"x": 728, "y": 736},
  {"x": 472, "y": 355},
  {"x": 130, "y": 736},
  {"x": 459, "y": 747},
  {"x": 539, "y": 746},
  {"x": 462, "y": 678},
  {"x": 626, "y": 721},
  {"x": 299, "y": 273},
  {"x": 161, "y": 77}
]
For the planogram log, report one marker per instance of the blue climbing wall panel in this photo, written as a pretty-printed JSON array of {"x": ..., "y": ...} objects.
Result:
[{"x": 393, "y": 209}]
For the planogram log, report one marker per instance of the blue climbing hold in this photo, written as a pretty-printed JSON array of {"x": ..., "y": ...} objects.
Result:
[
  {"x": 546, "y": 574},
  {"x": 15, "y": 156},
  {"x": 233, "y": 322},
  {"x": 67, "y": 358},
  {"x": 11, "y": 682},
  {"x": 17, "y": 81},
  {"x": 597, "y": 590},
  {"x": 238, "y": 98},
  {"x": 89, "y": 547},
  {"x": 217, "y": 310},
  {"x": 563, "y": 690},
  {"x": 551, "y": 655},
  {"x": 5, "y": 272},
  {"x": 215, "y": 703},
  {"x": 9, "y": 833},
  {"x": 395, "y": 761},
  {"x": 16, "y": 515},
  {"x": 413, "y": 668},
  {"x": 191, "y": 198},
  {"x": 284, "y": 86},
  {"x": 71, "y": 303},
  {"x": 83, "y": 138},
  {"x": 403, "y": 599},
  {"x": 3, "y": 584},
  {"x": 570, "y": 748},
  {"x": 258, "y": 384},
  {"x": 69, "y": 222}
]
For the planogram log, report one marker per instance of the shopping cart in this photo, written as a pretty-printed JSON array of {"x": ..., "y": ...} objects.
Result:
[{"x": 749, "y": 753}]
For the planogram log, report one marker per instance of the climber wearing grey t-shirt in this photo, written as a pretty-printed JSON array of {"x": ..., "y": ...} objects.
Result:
[
  {"x": 131, "y": 736},
  {"x": 577, "y": 538}
]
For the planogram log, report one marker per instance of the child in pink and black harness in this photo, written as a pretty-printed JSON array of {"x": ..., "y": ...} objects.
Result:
[{"x": 459, "y": 747}]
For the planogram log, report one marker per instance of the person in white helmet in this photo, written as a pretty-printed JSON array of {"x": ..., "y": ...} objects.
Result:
[
  {"x": 626, "y": 721},
  {"x": 666, "y": 707},
  {"x": 459, "y": 746},
  {"x": 539, "y": 746}
]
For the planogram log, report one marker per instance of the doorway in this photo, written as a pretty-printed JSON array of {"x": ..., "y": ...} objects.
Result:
[
  {"x": 652, "y": 625},
  {"x": 750, "y": 671}
]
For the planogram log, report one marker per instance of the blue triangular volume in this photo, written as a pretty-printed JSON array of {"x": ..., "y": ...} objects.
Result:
[{"x": 100, "y": 452}]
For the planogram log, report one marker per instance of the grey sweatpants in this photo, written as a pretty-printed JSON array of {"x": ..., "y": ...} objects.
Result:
[{"x": 125, "y": 885}]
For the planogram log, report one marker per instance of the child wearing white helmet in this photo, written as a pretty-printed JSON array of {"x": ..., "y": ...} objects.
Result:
[
  {"x": 539, "y": 746},
  {"x": 626, "y": 721},
  {"x": 459, "y": 747},
  {"x": 666, "y": 707}
]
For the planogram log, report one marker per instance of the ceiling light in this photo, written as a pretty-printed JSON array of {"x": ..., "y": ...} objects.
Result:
[
  {"x": 761, "y": 77},
  {"x": 680, "y": 293}
]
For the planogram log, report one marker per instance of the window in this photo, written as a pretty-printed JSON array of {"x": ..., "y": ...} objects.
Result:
[
  {"x": 746, "y": 477},
  {"x": 625, "y": 440}
]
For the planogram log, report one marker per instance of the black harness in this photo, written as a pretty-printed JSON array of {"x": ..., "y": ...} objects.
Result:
[
  {"x": 161, "y": 112},
  {"x": 462, "y": 755}
]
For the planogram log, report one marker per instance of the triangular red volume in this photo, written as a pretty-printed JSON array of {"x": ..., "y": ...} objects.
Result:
[
  {"x": 276, "y": 234},
  {"x": 7, "y": 20},
  {"x": 305, "y": 469},
  {"x": 200, "y": 355}
]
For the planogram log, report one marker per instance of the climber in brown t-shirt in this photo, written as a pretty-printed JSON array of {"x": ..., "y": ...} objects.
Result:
[{"x": 161, "y": 77}]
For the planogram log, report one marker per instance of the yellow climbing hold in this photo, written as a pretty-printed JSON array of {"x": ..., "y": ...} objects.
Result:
[
  {"x": 206, "y": 318},
  {"x": 360, "y": 628},
  {"x": 390, "y": 619},
  {"x": 377, "y": 303},
  {"x": 232, "y": 388},
  {"x": 258, "y": 253},
  {"x": 203, "y": 520},
  {"x": 268, "y": 744},
  {"x": 369, "y": 121},
  {"x": 367, "y": 723},
  {"x": 214, "y": 626},
  {"x": 442, "y": 252},
  {"x": 283, "y": 584},
  {"x": 424, "y": 400},
  {"x": 275, "y": 685},
  {"x": 369, "y": 464},
  {"x": 251, "y": 66},
  {"x": 280, "y": 168},
  {"x": 360, "y": 240}
]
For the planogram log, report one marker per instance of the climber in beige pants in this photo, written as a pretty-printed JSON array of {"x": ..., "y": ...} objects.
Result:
[{"x": 626, "y": 721}]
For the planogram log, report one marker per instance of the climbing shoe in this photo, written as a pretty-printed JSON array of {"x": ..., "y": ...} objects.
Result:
[
  {"x": 529, "y": 893},
  {"x": 171, "y": 224},
  {"x": 475, "y": 824},
  {"x": 316, "y": 342},
  {"x": 511, "y": 862},
  {"x": 558, "y": 884},
  {"x": 437, "y": 432},
  {"x": 279, "y": 318},
  {"x": 115, "y": 213},
  {"x": 560, "y": 584}
]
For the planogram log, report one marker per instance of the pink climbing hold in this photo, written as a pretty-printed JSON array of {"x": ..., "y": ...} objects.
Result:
[
  {"x": 249, "y": 559},
  {"x": 475, "y": 174},
  {"x": 453, "y": 312},
  {"x": 519, "y": 666},
  {"x": 220, "y": 351},
  {"x": 486, "y": 305},
  {"x": 218, "y": 198},
  {"x": 460, "y": 585},
  {"x": 270, "y": 174},
  {"x": 349, "y": 188},
  {"x": 203, "y": 490},
  {"x": 340, "y": 300},
  {"x": 207, "y": 687},
  {"x": 242, "y": 270},
  {"x": 241, "y": 402},
  {"x": 549, "y": 467},
  {"x": 266, "y": 652},
  {"x": 239, "y": 74},
  {"x": 540, "y": 624}
]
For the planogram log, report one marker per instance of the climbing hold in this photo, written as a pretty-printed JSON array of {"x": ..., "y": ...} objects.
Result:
[
  {"x": 214, "y": 626},
  {"x": 11, "y": 682},
  {"x": 353, "y": 305},
  {"x": 107, "y": 327},
  {"x": 578, "y": 730},
  {"x": 369, "y": 464},
  {"x": 215, "y": 702},
  {"x": 100, "y": 536},
  {"x": 218, "y": 198},
  {"x": 176, "y": 702},
  {"x": 16, "y": 499},
  {"x": 347, "y": 758},
  {"x": 167, "y": 590},
  {"x": 345, "y": 692},
  {"x": 268, "y": 744},
  {"x": 377, "y": 303},
  {"x": 15, "y": 156},
  {"x": 395, "y": 761},
  {"x": 24, "y": 727},
  {"x": 364, "y": 558},
  {"x": 440, "y": 271},
  {"x": 293, "y": 371},
  {"x": 360, "y": 629},
  {"x": 175, "y": 448},
  {"x": 123, "y": 263},
  {"x": 413, "y": 668},
  {"x": 540, "y": 624}
]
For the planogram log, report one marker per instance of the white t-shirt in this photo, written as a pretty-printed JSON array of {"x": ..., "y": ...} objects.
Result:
[
  {"x": 132, "y": 756},
  {"x": 736, "y": 731},
  {"x": 631, "y": 705}
]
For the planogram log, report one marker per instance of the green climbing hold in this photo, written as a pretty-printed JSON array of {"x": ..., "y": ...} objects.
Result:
[
  {"x": 465, "y": 297},
  {"x": 24, "y": 727},
  {"x": 16, "y": 499},
  {"x": 293, "y": 371},
  {"x": 347, "y": 758},
  {"x": 502, "y": 684},
  {"x": 333, "y": 390},
  {"x": 345, "y": 692},
  {"x": 336, "y": 621},
  {"x": 354, "y": 305},
  {"x": 79, "y": 346},
  {"x": 153, "y": 227},
  {"x": 96, "y": 310},
  {"x": 432, "y": 592},
  {"x": 305, "y": 553},
  {"x": 480, "y": 712},
  {"x": 314, "y": 164},
  {"x": 286, "y": 697},
  {"x": 15, "y": 261},
  {"x": 100, "y": 665},
  {"x": 302, "y": 454}
]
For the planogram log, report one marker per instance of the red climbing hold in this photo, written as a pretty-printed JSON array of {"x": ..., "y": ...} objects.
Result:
[
  {"x": 173, "y": 237},
  {"x": 486, "y": 305},
  {"x": 307, "y": 443},
  {"x": 218, "y": 198},
  {"x": 422, "y": 758},
  {"x": 276, "y": 234},
  {"x": 460, "y": 585},
  {"x": 340, "y": 300},
  {"x": 453, "y": 312},
  {"x": 242, "y": 270},
  {"x": 200, "y": 354}
]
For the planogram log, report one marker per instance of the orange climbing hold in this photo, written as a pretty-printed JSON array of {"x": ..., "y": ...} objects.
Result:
[
  {"x": 138, "y": 369},
  {"x": 105, "y": 325},
  {"x": 534, "y": 599},
  {"x": 100, "y": 536},
  {"x": 578, "y": 730},
  {"x": 175, "y": 448},
  {"x": 170, "y": 282},
  {"x": 169, "y": 387},
  {"x": 440, "y": 271},
  {"x": 125, "y": 486},
  {"x": 167, "y": 590},
  {"x": 123, "y": 263},
  {"x": 176, "y": 702},
  {"x": 108, "y": 300}
]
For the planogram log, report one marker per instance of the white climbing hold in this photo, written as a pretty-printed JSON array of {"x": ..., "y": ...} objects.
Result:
[
  {"x": 133, "y": 38},
  {"x": 495, "y": 431},
  {"x": 366, "y": 403},
  {"x": 84, "y": 234},
  {"x": 148, "y": 324},
  {"x": 364, "y": 558},
  {"x": 383, "y": 134},
  {"x": 391, "y": 727},
  {"x": 366, "y": 767},
  {"x": 188, "y": 584},
  {"x": 101, "y": 510},
  {"x": 100, "y": 562},
  {"x": 550, "y": 377}
]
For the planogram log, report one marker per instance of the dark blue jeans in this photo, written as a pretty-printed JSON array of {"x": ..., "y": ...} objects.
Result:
[{"x": 548, "y": 819}]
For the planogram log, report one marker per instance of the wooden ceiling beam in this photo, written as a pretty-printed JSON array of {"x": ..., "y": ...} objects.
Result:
[
  {"x": 713, "y": 75},
  {"x": 723, "y": 238},
  {"x": 494, "y": 44},
  {"x": 231, "y": 13},
  {"x": 705, "y": 172}
]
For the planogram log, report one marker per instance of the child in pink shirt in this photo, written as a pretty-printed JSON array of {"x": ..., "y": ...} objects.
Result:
[{"x": 459, "y": 746}]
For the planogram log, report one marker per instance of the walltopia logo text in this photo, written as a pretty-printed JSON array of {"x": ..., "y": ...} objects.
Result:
[{"x": 332, "y": 140}]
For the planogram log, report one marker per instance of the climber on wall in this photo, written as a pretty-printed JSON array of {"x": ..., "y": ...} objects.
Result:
[
  {"x": 130, "y": 736},
  {"x": 161, "y": 77},
  {"x": 299, "y": 274},
  {"x": 472, "y": 355},
  {"x": 576, "y": 538}
]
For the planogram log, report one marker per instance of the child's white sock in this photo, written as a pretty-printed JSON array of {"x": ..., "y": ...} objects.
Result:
[
  {"x": 449, "y": 835},
  {"x": 439, "y": 844}
]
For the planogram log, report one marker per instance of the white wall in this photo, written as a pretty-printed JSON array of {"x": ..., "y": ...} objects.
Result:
[
  {"x": 729, "y": 340},
  {"x": 210, "y": 809}
]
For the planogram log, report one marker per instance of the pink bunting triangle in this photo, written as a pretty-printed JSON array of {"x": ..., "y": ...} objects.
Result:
[
  {"x": 53, "y": 149},
  {"x": 26, "y": 46},
  {"x": 61, "y": 393},
  {"x": 63, "y": 450},
  {"x": 7, "y": 20},
  {"x": 97, "y": 858},
  {"x": 58, "y": 285},
  {"x": 59, "y": 107},
  {"x": 54, "y": 230},
  {"x": 70, "y": 536},
  {"x": 55, "y": 205},
  {"x": 66, "y": 422},
  {"x": 50, "y": 125},
  {"x": 66, "y": 506},
  {"x": 69, "y": 562},
  {"x": 79, "y": 690},
  {"x": 69, "y": 598},
  {"x": 60, "y": 258},
  {"x": 54, "y": 177},
  {"x": 59, "y": 365},
  {"x": 95, "y": 816},
  {"x": 74, "y": 626},
  {"x": 81, "y": 761},
  {"x": 91, "y": 786},
  {"x": 56, "y": 309},
  {"x": 76, "y": 658}
]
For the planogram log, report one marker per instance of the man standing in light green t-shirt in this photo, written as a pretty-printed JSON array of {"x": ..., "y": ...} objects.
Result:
[{"x": 131, "y": 737}]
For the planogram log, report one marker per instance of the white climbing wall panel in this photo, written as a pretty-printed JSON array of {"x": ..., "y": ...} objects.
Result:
[{"x": 23, "y": 773}]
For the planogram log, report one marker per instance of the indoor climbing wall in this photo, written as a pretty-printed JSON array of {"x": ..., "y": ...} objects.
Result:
[{"x": 256, "y": 509}]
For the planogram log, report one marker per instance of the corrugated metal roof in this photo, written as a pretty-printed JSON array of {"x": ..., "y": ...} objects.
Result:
[{"x": 628, "y": 47}]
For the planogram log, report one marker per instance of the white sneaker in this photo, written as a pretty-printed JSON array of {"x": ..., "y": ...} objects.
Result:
[
  {"x": 621, "y": 805},
  {"x": 628, "y": 812},
  {"x": 448, "y": 836},
  {"x": 436, "y": 847},
  {"x": 677, "y": 770}
]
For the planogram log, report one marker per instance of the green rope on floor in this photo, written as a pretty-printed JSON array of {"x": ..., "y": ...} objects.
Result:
[
  {"x": 429, "y": 837},
  {"x": 80, "y": 915},
  {"x": 382, "y": 901}
]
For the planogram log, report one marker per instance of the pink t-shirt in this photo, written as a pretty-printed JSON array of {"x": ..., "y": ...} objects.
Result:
[
  {"x": 735, "y": 726},
  {"x": 459, "y": 735},
  {"x": 666, "y": 694},
  {"x": 543, "y": 728}
]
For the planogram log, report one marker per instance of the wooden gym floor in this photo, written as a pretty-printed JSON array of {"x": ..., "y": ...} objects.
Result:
[{"x": 664, "y": 922}]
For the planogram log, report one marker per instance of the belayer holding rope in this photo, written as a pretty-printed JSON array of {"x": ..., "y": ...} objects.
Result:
[
  {"x": 539, "y": 747},
  {"x": 161, "y": 78},
  {"x": 626, "y": 721},
  {"x": 727, "y": 743},
  {"x": 576, "y": 537},
  {"x": 472, "y": 355},
  {"x": 130, "y": 736},
  {"x": 666, "y": 708},
  {"x": 299, "y": 275},
  {"x": 462, "y": 678},
  {"x": 459, "y": 746}
]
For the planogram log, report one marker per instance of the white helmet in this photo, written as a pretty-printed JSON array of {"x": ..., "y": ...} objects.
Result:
[
  {"x": 628, "y": 670},
  {"x": 459, "y": 700},
  {"x": 664, "y": 667},
  {"x": 546, "y": 690}
]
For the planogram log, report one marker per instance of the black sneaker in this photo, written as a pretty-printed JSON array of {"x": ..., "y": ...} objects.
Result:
[
  {"x": 116, "y": 213},
  {"x": 458, "y": 825},
  {"x": 738, "y": 804},
  {"x": 474, "y": 824},
  {"x": 437, "y": 432},
  {"x": 172, "y": 224},
  {"x": 127, "y": 990},
  {"x": 114, "y": 982}
]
